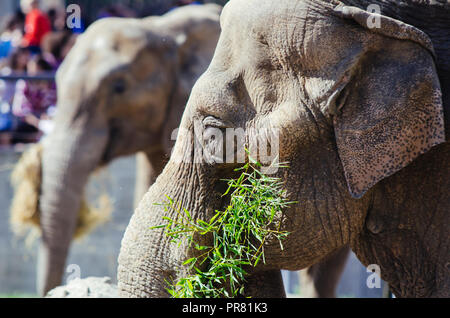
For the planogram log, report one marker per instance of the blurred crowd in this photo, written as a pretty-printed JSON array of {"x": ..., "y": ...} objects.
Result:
[{"x": 33, "y": 43}]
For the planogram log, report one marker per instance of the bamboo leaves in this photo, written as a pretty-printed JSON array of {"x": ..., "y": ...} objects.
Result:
[{"x": 239, "y": 234}]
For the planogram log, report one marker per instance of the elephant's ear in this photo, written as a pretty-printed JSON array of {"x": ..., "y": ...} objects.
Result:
[
  {"x": 196, "y": 31},
  {"x": 196, "y": 40},
  {"x": 390, "y": 111}
]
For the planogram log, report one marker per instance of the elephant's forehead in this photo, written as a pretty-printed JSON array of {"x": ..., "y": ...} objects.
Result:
[
  {"x": 284, "y": 25},
  {"x": 121, "y": 36},
  {"x": 105, "y": 47},
  {"x": 257, "y": 28},
  {"x": 263, "y": 16}
]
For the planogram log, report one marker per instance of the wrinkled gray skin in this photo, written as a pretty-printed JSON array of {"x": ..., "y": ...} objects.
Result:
[
  {"x": 121, "y": 90},
  {"x": 361, "y": 118}
]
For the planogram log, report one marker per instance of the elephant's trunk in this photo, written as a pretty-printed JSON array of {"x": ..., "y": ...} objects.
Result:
[
  {"x": 69, "y": 156},
  {"x": 148, "y": 260},
  {"x": 145, "y": 261}
]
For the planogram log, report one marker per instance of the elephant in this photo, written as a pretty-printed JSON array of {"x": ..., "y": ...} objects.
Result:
[
  {"x": 360, "y": 103},
  {"x": 121, "y": 90}
]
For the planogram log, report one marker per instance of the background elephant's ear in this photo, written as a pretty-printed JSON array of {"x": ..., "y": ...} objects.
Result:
[
  {"x": 196, "y": 42},
  {"x": 196, "y": 31},
  {"x": 391, "y": 109}
]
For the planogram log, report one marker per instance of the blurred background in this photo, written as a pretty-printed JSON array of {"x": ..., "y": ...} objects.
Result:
[
  {"x": 91, "y": 8},
  {"x": 28, "y": 63}
]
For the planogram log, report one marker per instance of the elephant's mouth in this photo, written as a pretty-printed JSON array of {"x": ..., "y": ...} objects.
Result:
[
  {"x": 124, "y": 140},
  {"x": 112, "y": 144},
  {"x": 107, "y": 157}
]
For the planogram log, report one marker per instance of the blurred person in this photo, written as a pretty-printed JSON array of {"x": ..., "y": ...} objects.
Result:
[
  {"x": 37, "y": 25},
  {"x": 16, "y": 64},
  {"x": 7, "y": 120},
  {"x": 57, "y": 18},
  {"x": 34, "y": 100},
  {"x": 11, "y": 37},
  {"x": 56, "y": 45}
]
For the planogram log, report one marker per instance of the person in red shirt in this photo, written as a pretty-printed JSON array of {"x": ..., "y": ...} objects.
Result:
[{"x": 37, "y": 24}]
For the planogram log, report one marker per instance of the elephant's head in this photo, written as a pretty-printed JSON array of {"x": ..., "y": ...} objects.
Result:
[
  {"x": 121, "y": 89},
  {"x": 350, "y": 105}
]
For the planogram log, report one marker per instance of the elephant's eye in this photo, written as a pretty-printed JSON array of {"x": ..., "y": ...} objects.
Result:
[
  {"x": 119, "y": 86},
  {"x": 213, "y": 145},
  {"x": 213, "y": 139}
]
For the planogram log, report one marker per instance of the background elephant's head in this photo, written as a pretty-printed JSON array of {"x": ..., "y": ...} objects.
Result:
[
  {"x": 351, "y": 106},
  {"x": 122, "y": 89}
]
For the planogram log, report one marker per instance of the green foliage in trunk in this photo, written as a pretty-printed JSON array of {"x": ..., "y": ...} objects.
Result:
[{"x": 239, "y": 234}]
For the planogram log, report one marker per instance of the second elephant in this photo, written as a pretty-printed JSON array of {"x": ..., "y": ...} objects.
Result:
[{"x": 121, "y": 90}]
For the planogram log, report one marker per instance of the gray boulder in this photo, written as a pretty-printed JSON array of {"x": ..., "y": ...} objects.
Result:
[{"x": 91, "y": 287}]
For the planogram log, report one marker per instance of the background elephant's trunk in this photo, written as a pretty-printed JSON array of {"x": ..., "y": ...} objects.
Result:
[{"x": 69, "y": 156}]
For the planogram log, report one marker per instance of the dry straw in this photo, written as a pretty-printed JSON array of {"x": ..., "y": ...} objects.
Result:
[{"x": 25, "y": 214}]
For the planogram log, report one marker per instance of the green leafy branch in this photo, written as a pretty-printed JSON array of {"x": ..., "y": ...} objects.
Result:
[{"x": 239, "y": 234}]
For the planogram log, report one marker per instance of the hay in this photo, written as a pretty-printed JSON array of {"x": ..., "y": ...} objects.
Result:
[
  {"x": 25, "y": 214},
  {"x": 91, "y": 217},
  {"x": 26, "y": 180}
]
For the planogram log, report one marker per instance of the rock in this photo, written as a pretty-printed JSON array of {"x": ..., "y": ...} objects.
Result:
[{"x": 91, "y": 287}]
